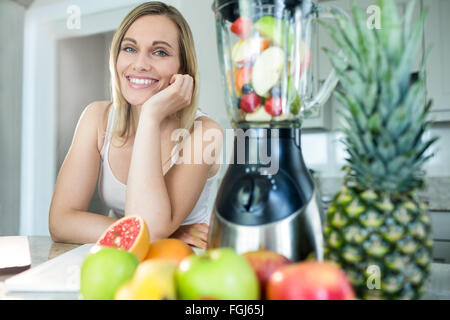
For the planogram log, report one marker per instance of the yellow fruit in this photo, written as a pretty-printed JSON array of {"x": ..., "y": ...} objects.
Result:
[
  {"x": 153, "y": 280},
  {"x": 125, "y": 292}
]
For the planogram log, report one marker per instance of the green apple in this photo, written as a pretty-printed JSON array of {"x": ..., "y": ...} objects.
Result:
[
  {"x": 104, "y": 270},
  {"x": 216, "y": 274},
  {"x": 294, "y": 100},
  {"x": 273, "y": 30},
  {"x": 267, "y": 70}
]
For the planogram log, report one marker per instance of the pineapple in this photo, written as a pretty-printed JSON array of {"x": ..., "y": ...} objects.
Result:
[{"x": 376, "y": 228}]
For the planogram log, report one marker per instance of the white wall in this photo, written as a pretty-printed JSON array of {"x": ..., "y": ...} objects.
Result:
[
  {"x": 82, "y": 66},
  {"x": 11, "y": 38}
]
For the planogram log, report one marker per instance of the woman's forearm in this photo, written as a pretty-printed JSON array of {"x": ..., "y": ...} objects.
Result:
[
  {"x": 76, "y": 226},
  {"x": 147, "y": 193}
]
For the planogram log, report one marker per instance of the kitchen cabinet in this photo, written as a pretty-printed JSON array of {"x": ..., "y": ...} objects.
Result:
[
  {"x": 440, "y": 223},
  {"x": 437, "y": 40}
]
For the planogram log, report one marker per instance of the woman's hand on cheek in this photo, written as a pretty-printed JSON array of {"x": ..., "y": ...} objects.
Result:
[{"x": 176, "y": 96}]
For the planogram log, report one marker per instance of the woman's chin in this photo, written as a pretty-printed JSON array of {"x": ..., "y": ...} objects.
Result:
[{"x": 135, "y": 100}]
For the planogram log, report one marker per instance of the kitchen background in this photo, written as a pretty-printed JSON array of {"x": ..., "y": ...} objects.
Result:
[{"x": 51, "y": 68}]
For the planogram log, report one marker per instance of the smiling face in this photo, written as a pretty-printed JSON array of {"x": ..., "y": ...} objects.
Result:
[{"x": 148, "y": 57}]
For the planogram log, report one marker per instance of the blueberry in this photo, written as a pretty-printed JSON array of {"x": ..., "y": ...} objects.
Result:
[
  {"x": 275, "y": 92},
  {"x": 247, "y": 88}
]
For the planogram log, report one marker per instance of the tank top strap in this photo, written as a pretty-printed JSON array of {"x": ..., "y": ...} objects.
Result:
[
  {"x": 176, "y": 150},
  {"x": 108, "y": 134},
  {"x": 200, "y": 113}
]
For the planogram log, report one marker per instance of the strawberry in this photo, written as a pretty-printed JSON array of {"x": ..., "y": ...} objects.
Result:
[
  {"x": 249, "y": 102},
  {"x": 273, "y": 106},
  {"x": 242, "y": 27}
]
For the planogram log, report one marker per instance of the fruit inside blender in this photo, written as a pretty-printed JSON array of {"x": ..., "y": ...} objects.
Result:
[{"x": 265, "y": 76}]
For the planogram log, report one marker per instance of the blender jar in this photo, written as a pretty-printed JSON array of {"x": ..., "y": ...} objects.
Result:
[{"x": 266, "y": 60}]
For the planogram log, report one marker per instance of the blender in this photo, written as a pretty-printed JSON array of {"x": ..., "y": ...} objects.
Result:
[{"x": 267, "y": 198}]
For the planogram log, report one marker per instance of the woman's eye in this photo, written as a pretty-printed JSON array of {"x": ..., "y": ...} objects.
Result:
[
  {"x": 128, "y": 49},
  {"x": 161, "y": 53}
]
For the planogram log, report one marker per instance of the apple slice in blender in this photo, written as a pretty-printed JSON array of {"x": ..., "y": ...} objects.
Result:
[
  {"x": 267, "y": 70},
  {"x": 260, "y": 115},
  {"x": 246, "y": 49},
  {"x": 274, "y": 30},
  {"x": 270, "y": 28}
]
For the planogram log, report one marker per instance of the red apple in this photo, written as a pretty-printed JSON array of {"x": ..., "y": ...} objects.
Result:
[
  {"x": 309, "y": 281},
  {"x": 264, "y": 263}
]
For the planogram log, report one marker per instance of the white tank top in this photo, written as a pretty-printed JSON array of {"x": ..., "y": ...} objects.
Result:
[{"x": 112, "y": 192}]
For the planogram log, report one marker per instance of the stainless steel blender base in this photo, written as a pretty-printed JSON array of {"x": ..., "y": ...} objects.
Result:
[{"x": 295, "y": 237}]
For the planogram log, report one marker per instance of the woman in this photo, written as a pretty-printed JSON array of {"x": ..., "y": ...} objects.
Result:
[{"x": 154, "y": 84}]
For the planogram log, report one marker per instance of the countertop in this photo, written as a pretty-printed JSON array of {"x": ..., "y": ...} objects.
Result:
[{"x": 43, "y": 248}]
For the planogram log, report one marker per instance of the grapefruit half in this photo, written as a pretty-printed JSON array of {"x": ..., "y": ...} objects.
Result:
[{"x": 128, "y": 233}]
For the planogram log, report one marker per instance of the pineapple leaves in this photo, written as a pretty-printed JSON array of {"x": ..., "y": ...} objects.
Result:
[
  {"x": 385, "y": 113},
  {"x": 374, "y": 123},
  {"x": 367, "y": 42},
  {"x": 409, "y": 54},
  {"x": 390, "y": 34},
  {"x": 339, "y": 63},
  {"x": 343, "y": 44},
  {"x": 408, "y": 19}
]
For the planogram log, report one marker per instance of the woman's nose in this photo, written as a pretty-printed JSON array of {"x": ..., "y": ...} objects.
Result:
[{"x": 142, "y": 62}]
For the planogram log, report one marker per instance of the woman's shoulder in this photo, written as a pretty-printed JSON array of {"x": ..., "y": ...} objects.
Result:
[
  {"x": 96, "y": 115},
  {"x": 208, "y": 122},
  {"x": 97, "y": 109}
]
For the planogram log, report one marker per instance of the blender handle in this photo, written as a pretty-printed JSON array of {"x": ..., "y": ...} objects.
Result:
[{"x": 332, "y": 80}]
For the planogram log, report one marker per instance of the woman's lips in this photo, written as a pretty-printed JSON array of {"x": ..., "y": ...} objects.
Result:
[{"x": 140, "y": 82}]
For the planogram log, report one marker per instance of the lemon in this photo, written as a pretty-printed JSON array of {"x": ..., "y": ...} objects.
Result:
[{"x": 153, "y": 280}]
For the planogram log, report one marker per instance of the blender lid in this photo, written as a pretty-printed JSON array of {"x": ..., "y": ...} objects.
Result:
[{"x": 229, "y": 9}]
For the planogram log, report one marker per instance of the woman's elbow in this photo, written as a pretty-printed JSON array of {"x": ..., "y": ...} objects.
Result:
[{"x": 54, "y": 227}]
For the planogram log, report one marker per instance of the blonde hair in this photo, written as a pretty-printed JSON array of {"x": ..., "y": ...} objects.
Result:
[{"x": 125, "y": 122}]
